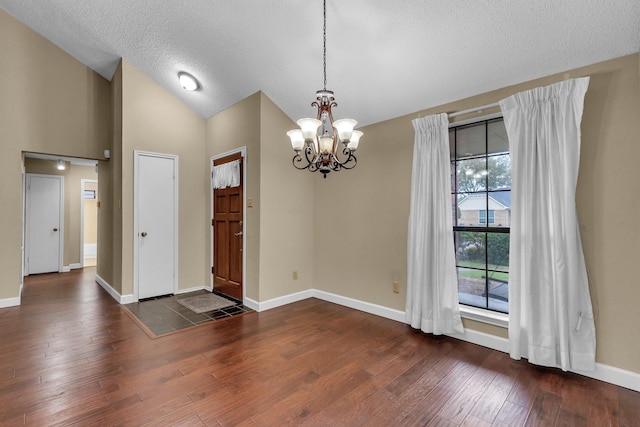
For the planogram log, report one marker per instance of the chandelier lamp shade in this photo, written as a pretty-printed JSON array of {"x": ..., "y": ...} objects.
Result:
[{"x": 323, "y": 144}]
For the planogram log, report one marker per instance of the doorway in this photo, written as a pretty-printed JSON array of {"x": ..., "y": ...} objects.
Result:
[
  {"x": 44, "y": 215},
  {"x": 228, "y": 211},
  {"x": 89, "y": 222},
  {"x": 155, "y": 224},
  {"x": 71, "y": 171}
]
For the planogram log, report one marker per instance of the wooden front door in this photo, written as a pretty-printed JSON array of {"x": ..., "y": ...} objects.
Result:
[{"x": 228, "y": 206}]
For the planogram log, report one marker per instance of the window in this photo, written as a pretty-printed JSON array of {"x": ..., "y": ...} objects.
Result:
[
  {"x": 481, "y": 201},
  {"x": 482, "y": 216}
]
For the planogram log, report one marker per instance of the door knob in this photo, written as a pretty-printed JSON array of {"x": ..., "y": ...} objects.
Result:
[
  {"x": 55, "y": 229},
  {"x": 143, "y": 234},
  {"x": 239, "y": 233}
]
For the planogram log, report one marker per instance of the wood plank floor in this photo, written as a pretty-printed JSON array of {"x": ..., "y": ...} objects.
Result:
[{"x": 70, "y": 356}]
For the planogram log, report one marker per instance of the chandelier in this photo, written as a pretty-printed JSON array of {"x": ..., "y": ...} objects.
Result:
[{"x": 327, "y": 144}]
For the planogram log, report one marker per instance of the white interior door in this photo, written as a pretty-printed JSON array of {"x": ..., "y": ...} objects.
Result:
[
  {"x": 155, "y": 204},
  {"x": 44, "y": 223}
]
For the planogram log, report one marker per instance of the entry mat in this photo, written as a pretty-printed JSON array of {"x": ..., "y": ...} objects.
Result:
[{"x": 205, "y": 303}]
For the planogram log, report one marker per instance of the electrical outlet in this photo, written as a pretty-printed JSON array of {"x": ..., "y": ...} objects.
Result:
[
  {"x": 295, "y": 275},
  {"x": 396, "y": 286}
]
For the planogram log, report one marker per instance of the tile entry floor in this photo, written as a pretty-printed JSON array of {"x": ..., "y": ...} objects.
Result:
[{"x": 162, "y": 315}]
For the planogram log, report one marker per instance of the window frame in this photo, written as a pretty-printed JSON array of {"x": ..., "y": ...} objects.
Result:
[{"x": 484, "y": 315}]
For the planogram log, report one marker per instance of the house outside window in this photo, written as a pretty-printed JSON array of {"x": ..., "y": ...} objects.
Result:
[{"x": 481, "y": 202}]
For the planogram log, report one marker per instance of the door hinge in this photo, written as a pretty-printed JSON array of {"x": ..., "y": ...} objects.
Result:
[
  {"x": 213, "y": 270},
  {"x": 213, "y": 222}
]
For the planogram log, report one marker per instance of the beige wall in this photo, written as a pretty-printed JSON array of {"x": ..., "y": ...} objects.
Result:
[
  {"x": 109, "y": 266},
  {"x": 73, "y": 176},
  {"x": 52, "y": 104},
  {"x": 239, "y": 126},
  {"x": 363, "y": 237},
  {"x": 153, "y": 120},
  {"x": 287, "y": 210},
  {"x": 279, "y": 226},
  {"x": 49, "y": 103}
]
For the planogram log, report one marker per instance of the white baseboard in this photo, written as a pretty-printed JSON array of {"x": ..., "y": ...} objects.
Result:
[
  {"x": 367, "y": 307},
  {"x": 252, "y": 304},
  {"x": 613, "y": 375},
  {"x": 122, "y": 299},
  {"x": 606, "y": 373},
  {"x": 68, "y": 268},
  {"x": 11, "y": 302},
  {"x": 185, "y": 291},
  {"x": 280, "y": 301}
]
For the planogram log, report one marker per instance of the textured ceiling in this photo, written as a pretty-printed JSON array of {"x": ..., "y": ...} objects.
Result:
[{"x": 385, "y": 58}]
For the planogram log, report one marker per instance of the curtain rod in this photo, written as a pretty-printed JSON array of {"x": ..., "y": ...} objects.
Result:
[{"x": 474, "y": 110}]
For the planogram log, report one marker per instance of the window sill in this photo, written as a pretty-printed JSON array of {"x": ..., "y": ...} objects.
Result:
[{"x": 484, "y": 316}]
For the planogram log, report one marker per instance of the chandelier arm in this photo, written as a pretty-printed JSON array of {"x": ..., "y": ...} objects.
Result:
[
  {"x": 308, "y": 156},
  {"x": 348, "y": 163},
  {"x": 297, "y": 159},
  {"x": 313, "y": 167}
]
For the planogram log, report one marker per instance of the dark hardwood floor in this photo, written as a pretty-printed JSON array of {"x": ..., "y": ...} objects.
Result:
[{"x": 69, "y": 355}]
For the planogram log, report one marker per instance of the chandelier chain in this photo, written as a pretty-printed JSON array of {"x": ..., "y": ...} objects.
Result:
[
  {"x": 322, "y": 144},
  {"x": 324, "y": 43}
]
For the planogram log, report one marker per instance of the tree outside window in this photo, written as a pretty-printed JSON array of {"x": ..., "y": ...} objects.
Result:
[{"x": 481, "y": 197}]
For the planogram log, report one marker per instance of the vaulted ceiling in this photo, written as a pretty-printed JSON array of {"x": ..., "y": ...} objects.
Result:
[{"x": 384, "y": 58}]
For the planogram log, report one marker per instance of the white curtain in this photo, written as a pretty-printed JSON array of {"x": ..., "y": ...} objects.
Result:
[
  {"x": 226, "y": 175},
  {"x": 432, "y": 284},
  {"x": 550, "y": 314}
]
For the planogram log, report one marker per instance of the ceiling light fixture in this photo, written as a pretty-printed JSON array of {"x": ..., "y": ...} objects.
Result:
[
  {"x": 188, "y": 82},
  {"x": 320, "y": 138},
  {"x": 60, "y": 165}
]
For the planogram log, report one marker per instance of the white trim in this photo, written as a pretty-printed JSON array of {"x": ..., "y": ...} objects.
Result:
[
  {"x": 75, "y": 266},
  {"x": 606, "y": 373},
  {"x": 484, "y": 316},
  {"x": 252, "y": 304},
  {"x": 243, "y": 153},
  {"x": 367, "y": 307},
  {"x": 194, "y": 289},
  {"x": 613, "y": 375},
  {"x": 280, "y": 301},
  {"x": 22, "y": 223},
  {"x": 122, "y": 299},
  {"x": 478, "y": 110},
  {"x": 65, "y": 269},
  {"x": 136, "y": 212},
  {"x": 475, "y": 119},
  {"x": 480, "y": 338},
  {"x": 11, "y": 302}
]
